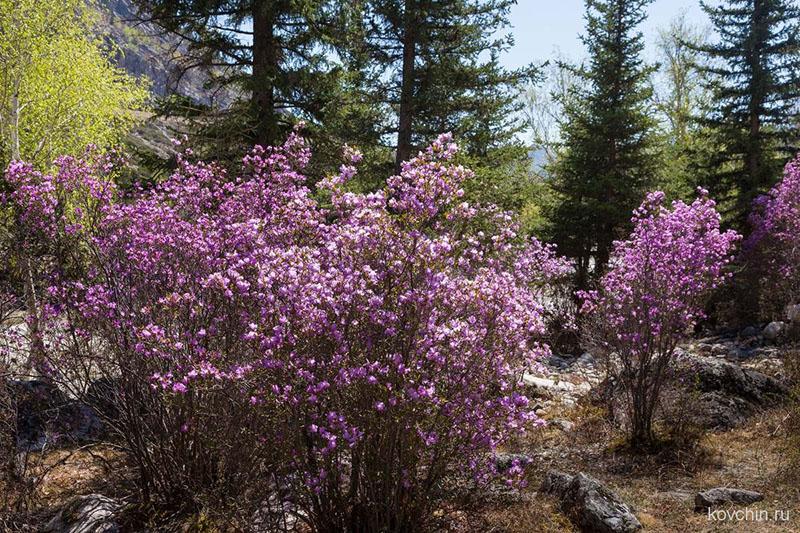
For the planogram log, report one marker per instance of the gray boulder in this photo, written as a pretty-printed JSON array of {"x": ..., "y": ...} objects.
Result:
[
  {"x": 592, "y": 507},
  {"x": 748, "y": 332},
  {"x": 774, "y": 330},
  {"x": 47, "y": 417},
  {"x": 728, "y": 393},
  {"x": 733, "y": 380},
  {"x": 723, "y": 495},
  {"x": 721, "y": 394},
  {"x": 555, "y": 483},
  {"x": 93, "y": 513},
  {"x": 715, "y": 410}
]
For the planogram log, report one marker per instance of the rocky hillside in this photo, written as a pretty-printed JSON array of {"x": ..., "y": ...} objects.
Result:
[{"x": 146, "y": 51}]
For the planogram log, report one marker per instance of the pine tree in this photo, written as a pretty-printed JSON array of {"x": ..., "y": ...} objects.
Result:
[
  {"x": 754, "y": 73},
  {"x": 276, "y": 52},
  {"x": 607, "y": 156},
  {"x": 434, "y": 64}
]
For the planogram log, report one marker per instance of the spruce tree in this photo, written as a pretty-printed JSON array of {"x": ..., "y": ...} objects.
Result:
[
  {"x": 607, "y": 156},
  {"x": 275, "y": 53},
  {"x": 754, "y": 72},
  {"x": 434, "y": 65}
]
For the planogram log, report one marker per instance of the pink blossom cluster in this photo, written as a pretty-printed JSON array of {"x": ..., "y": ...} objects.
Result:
[
  {"x": 384, "y": 338},
  {"x": 61, "y": 201},
  {"x": 774, "y": 243},
  {"x": 654, "y": 292},
  {"x": 658, "y": 277}
]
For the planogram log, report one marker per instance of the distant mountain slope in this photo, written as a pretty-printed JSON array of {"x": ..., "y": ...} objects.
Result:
[{"x": 145, "y": 50}]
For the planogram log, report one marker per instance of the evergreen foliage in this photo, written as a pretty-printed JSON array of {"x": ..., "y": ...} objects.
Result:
[
  {"x": 608, "y": 140},
  {"x": 754, "y": 73}
]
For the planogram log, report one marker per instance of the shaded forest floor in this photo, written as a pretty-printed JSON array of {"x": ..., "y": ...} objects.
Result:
[
  {"x": 760, "y": 455},
  {"x": 661, "y": 488}
]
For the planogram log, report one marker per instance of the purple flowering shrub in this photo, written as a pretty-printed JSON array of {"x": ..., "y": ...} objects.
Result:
[
  {"x": 346, "y": 362},
  {"x": 653, "y": 294},
  {"x": 773, "y": 247}
]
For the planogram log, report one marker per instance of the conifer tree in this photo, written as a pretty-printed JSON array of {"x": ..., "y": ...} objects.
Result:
[
  {"x": 754, "y": 73},
  {"x": 435, "y": 66},
  {"x": 274, "y": 52},
  {"x": 607, "y": 156}
]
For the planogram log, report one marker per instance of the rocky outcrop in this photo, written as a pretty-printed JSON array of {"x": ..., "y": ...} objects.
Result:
[
  {"x": 727, "y": 393},
  {"x": 592, "y": 507},
  {"x": 144, "y": 50},
  {"x": 47, "y": 417},
  {"x": 716, "y": 375},
  {"x": 93, "y": 513},
  {"x": 723, "y": 496}
]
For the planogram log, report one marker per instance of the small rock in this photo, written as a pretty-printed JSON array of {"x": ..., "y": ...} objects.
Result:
[
  {"x": 719, "y": 350},
  {"x": 739, "y": 354},
  {"x": 749, "y": 331},
  {"x": 723, "y": 495},
  {"x": 555, "y": 386},
  {"x": 504, "y": 461},
  {"x": 586, "y": 359},
  {"x": 704, "y": 348},
  {"x": 93, "y": 513},
  {"x": 591, "y": 505},
  {"x": 774, "y": 330},
  {"x": 793, "y": 313},
  {"x": 544, "y": 383},
  {"x": 558, "y": 362},
  {"x": 563, "y": 425},
  {"x": 677, "y": 495}
]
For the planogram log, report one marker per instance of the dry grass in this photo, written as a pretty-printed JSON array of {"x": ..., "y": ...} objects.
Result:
[
  {"x": 661, "y": 487},
  {"x": 54, "y": 477}
]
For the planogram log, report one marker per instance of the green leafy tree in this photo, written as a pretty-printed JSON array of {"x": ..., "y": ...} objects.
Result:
[
  {"x": 58, "y": 89},
  {"x": 680, "y": 97},
  {"x": 608, "y": 152},
  {"x": 754, "y": 73},
  {"x": 59, "y": 93}
]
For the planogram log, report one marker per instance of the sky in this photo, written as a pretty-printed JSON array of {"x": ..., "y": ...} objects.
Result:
[{"x": 543, "y": 27}]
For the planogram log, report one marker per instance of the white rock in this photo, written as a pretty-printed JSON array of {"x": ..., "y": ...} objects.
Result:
[
  {"x": 549, "y": 384},
  {"x": 793, "y": 313},
  {"x": 93, "y": 513}
]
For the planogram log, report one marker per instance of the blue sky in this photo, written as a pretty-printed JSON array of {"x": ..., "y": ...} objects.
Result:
[{"x": 542, "y": 26}]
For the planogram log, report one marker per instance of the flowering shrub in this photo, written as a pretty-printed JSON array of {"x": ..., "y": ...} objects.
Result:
[
  {"x": 43, "y": 214},
  {"x": 773, "y": 248},
  {"x": 346, "y": 359},
  {"x": 653, "y": 294}
]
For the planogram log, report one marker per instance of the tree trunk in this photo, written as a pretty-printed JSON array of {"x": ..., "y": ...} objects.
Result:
[
  {"x": 406, "y": 113},
  {"x": 15, "y": 151},
  {"x": 757, "y": 96},
  {"x": 265, "y": 71},
  {"x": 37, "y": 349}
]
